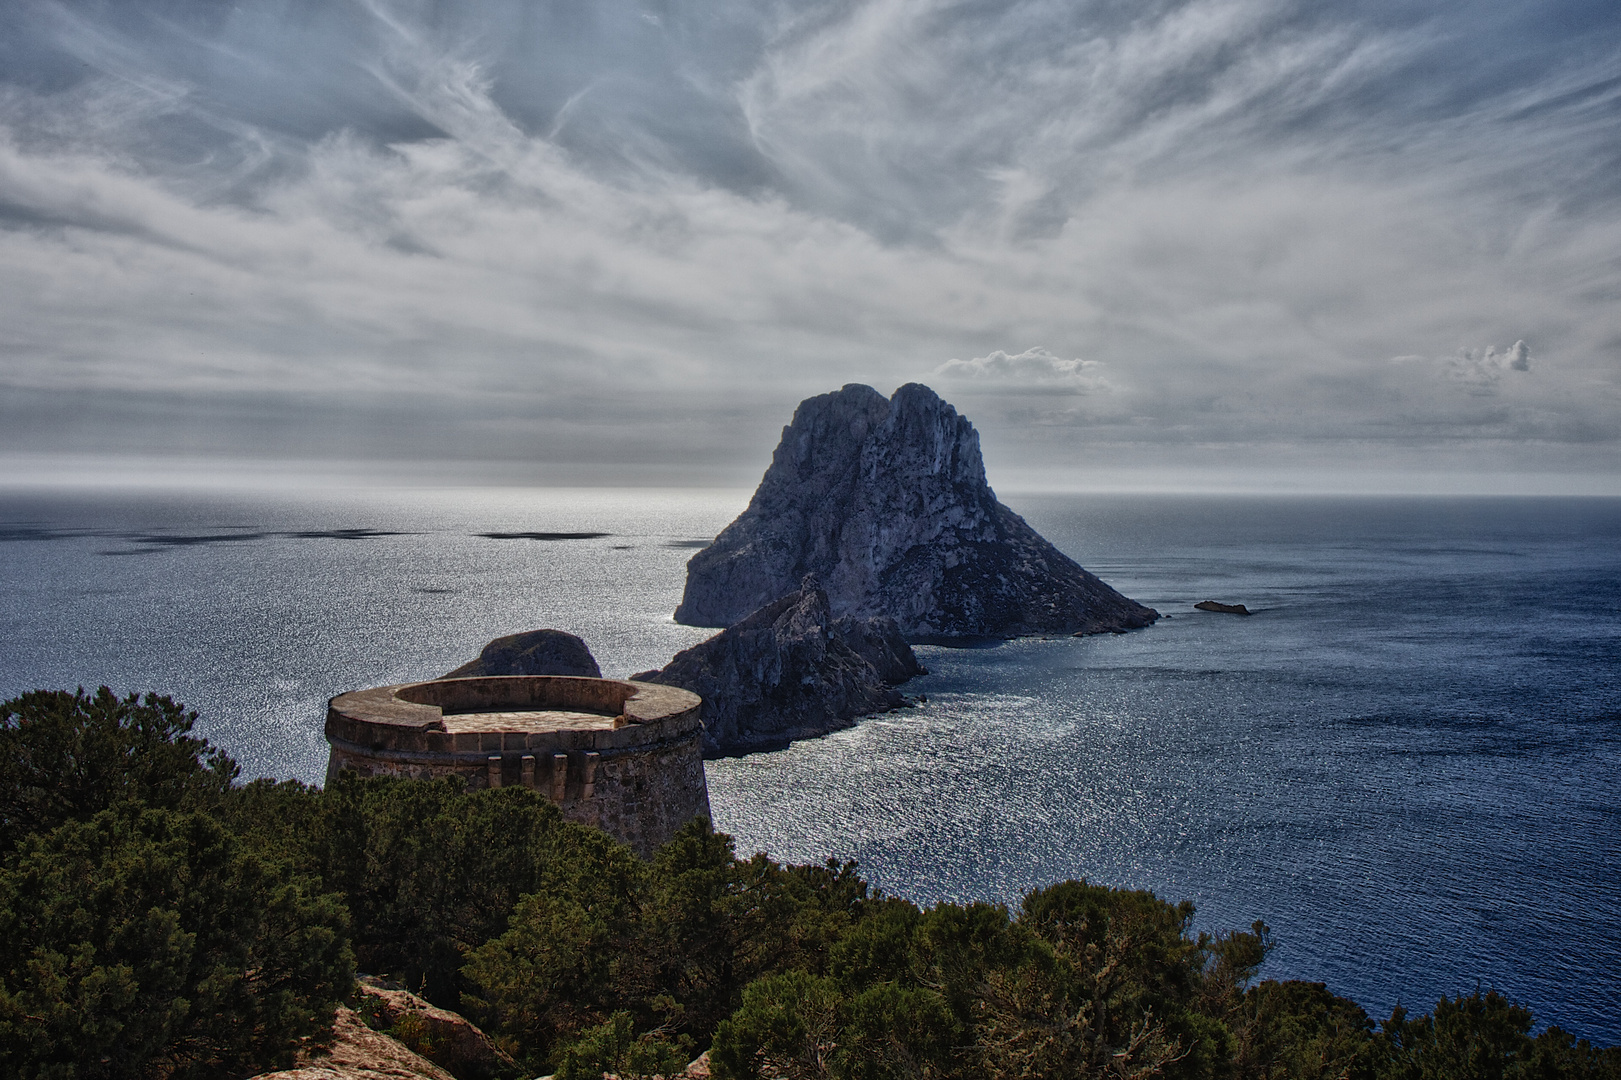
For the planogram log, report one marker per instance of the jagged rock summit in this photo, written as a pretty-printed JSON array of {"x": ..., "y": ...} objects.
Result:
[
  {"x": 886, "y": 502},
  {"x": 791, "y": 671}
]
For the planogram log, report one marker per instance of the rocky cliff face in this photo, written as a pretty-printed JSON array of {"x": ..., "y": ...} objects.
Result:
[
  {"x": 791, "y": 671},
  {"x": 886, "y": 502},
  {"x": 879, "y": 641}
]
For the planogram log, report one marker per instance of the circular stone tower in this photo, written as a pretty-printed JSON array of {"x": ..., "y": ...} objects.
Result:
[{"x": 622, "y": 756}]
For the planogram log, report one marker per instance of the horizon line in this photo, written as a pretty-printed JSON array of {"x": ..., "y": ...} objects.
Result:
[{"x": 37, "y": 472}]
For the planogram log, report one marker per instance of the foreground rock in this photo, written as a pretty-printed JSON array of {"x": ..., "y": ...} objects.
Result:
[
  {"x": 886, "y": 502},
  {"x": 356, "y": 1052},
  {"x": 791, "y": 671},
  {"x": 381, "y": 1038},
  {"x": 534, "y": 652},
  {"x": 449, "y": 1039}
]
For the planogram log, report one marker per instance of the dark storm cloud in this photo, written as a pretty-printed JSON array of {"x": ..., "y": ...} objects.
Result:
[{"x": 603, "y": 231}]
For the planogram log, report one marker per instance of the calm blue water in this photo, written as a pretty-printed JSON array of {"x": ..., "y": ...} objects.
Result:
[{"x": 1408, "y": 762}]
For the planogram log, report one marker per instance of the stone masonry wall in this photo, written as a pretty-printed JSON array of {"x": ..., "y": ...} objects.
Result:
[{"x": 639, "y": 780}]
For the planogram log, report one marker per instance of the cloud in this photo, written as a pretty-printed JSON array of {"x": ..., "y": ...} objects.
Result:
[
  {"x": 1034, "y": 370},
  {"x": 1482, "y": 369},
  {"x": 1477, "y": 370},
  {"x": 539, "y": 231}
]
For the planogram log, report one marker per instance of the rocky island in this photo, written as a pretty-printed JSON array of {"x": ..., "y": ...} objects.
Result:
[
  {"x": 885, "y": 501},
  {"x": 1221, "y": 608},
  {"x": 533, "y": 652},
  {"x": 873, "y": 528},
  {"x": 791, "y": 670}
]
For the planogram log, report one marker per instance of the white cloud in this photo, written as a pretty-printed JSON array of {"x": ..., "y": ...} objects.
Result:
[
  {"x": 1477, "y": 370},
  {"x": 1035, "y": 369},
  {"x": 1482, "y": 369}
]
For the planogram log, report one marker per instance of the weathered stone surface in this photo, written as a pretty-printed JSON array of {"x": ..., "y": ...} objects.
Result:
[
  {"x": 534, "y": 652},
  {"x": 448, "y": 1039},
  {"x": 886, "y": 502},
  {"x": 791, "y": 671},
  {"x": 396, "y": 1035},
  {"x": 624, "y": 757},
  {"x": 356, "y": 1052},
  {"x": 880, "y": 642}
]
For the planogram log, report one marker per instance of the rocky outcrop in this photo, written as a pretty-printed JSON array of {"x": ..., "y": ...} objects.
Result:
[
  {"x": 356, "y": 1052},
  {"x": 534, "y": 652},
  {"x": 791, "y": 671},
  {"x": 879, "y": 642},
  {"x": 393, "y": 1034},
  {"x": 1225, "y": 609},
  {"x": 886, "y": 502},
  {"x": 451, "y": 1041}
]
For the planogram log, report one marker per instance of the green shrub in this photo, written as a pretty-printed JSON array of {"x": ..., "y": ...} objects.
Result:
[
  {"x": 66, "y": 757},
  {"x": 615, "y": 1048},
  {"x": 1557, "y": 1053},
  {"x": 157, "y": 920},
  {"x": 430, "y": 871},
  {"x": 150, "y": 943},
  {"x": 671, "y": 942},
  {"x": 570, "y": 957},
  {"x": 789, "y": 1025},
  {"x": 1300, "y": 1031},
  {"x": 712, "y": 923},
  {"x": 1485, "y": 1036}
]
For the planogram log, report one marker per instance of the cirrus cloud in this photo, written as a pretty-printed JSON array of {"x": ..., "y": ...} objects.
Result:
[{"x": 400, "y": 228}]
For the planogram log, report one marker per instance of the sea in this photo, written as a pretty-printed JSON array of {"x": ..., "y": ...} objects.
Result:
[{"x": 1406, "y": 761}]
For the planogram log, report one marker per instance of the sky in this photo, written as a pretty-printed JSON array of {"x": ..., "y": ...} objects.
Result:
[{"x": 1225, "y": 244}]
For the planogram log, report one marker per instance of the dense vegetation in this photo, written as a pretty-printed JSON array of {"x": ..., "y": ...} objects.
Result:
[{"x": 159, "y": 919}]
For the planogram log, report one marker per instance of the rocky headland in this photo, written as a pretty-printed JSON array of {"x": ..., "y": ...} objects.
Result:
[
  {"x": 791, "y": 670},
  {"x": 885, "y": 501}
]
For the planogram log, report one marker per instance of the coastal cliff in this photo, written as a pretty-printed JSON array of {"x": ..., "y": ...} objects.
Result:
[
  {"x": 791, "y": 670},
  {"x": 885, "y": 500}
]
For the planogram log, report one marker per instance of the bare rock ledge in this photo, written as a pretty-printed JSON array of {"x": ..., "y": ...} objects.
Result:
[{"x": 362, "y": 1048}]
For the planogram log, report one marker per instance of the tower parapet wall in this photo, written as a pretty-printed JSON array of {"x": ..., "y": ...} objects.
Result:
[{"x": 620, "y": 755}]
